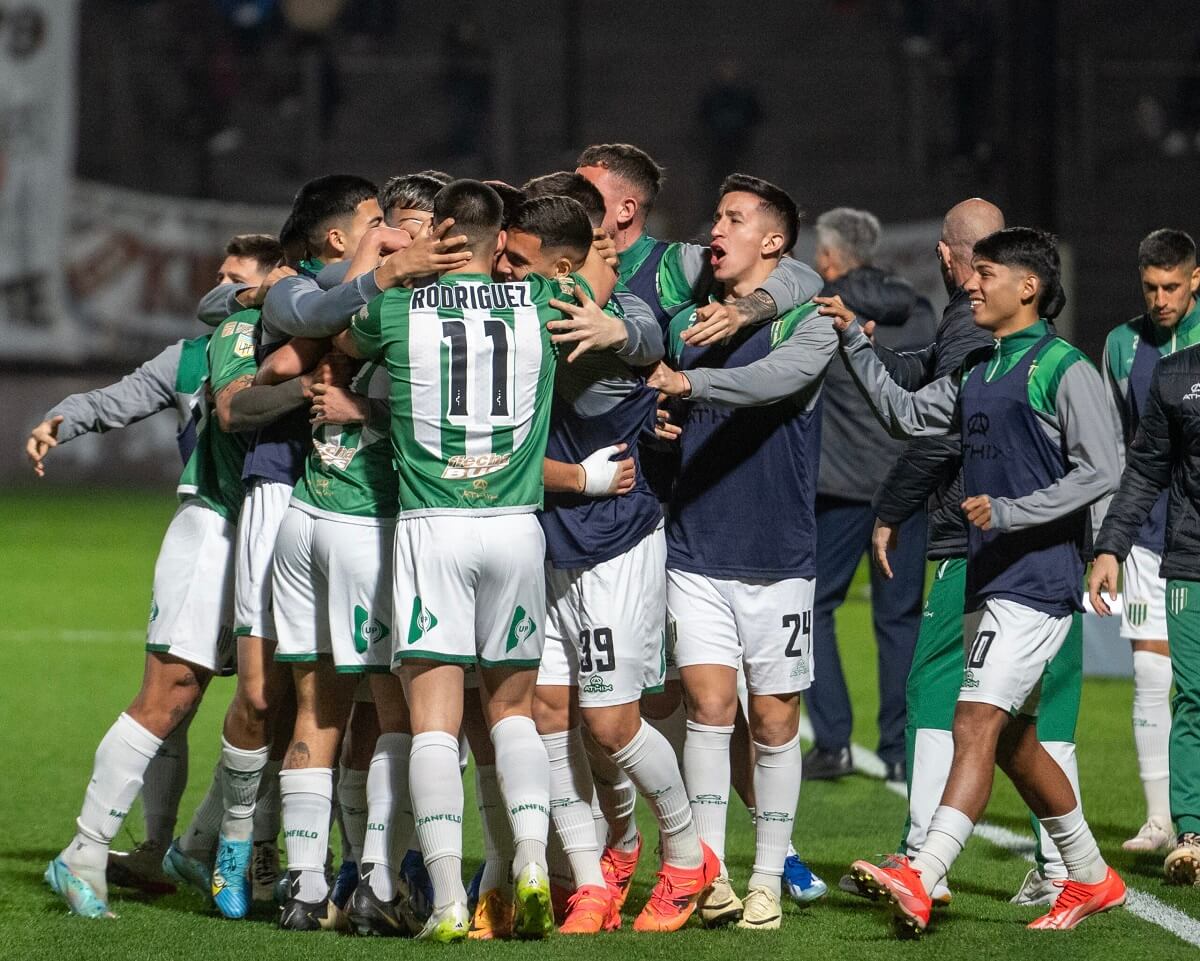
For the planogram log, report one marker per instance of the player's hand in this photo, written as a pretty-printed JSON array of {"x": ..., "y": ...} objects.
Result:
[
  {"x": 605, "y": 246},
  {"x": 884, "y": 538},
  {"x": 833, "y": 308},
  {"x": 586, "y": 326},
  {"x": 385, "y": 240},
  {"x": 41, "y": 439},
  {"x": 254, "y": 297},
  {"x": 664, "y": 429},
  {"x": 332, "y": 370},
  {"x": 605, "y": 477},
  {"x": 1103, "y": 577},
  {"x": 336, "y": 405},
  {"x": 979, "y": 511},
  {"x": 668, "y": 382},
  {"x": 433, "y": 252},
  {"x": 714, "y": 322}
]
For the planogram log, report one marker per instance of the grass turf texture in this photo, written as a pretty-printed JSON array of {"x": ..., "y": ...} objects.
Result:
[{"x": 77, "y": 584}]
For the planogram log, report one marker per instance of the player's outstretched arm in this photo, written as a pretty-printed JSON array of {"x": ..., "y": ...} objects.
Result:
[
  {"x": 644, "y": 340},
  {"x": 932, "y": 410},
  {"x": 1094, "y": 472}
]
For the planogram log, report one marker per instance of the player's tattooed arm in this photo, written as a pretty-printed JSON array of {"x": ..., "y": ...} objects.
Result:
[{"x": 718, "y": 321}]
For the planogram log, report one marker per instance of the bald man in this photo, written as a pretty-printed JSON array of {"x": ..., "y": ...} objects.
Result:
[{"x": 928, "y": 475}]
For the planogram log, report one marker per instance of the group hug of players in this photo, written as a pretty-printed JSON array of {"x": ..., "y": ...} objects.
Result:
[{"x": 478, "y": 469}]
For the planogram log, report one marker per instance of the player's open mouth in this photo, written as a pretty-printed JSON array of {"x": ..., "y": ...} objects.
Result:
[{"x": 716, "y": 254}]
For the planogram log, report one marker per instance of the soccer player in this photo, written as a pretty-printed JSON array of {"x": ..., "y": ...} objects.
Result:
[
  {"x": 606, "y": 592},
  {"x": 241, "y": 279},
  {"x": 930, "y": 468},
  {"x": 740, "y": 551},
  {"x": 173, "y": 378},
  {"x": 472, "y": 370},
  {"x": 189, "y": 638},
  {"x": 1037, "y": 453},
  {"x": 1170, "y": 278},
  {"x": 331, "y": 214},
  {"x": 1162, "y": 457}
]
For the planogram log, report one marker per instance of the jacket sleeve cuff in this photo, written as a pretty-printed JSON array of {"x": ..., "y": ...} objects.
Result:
[
  {"x": 699, "y": 379},
  {"x": 1001, "y": 514},
  {"x": 367, "y": 286}
]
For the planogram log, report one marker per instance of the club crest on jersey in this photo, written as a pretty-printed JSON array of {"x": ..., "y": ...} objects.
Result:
[
  {"x": 1136, "y": 613},
  {"x": 1177, "y": 600},
  {"x": 467, "y": 466}
]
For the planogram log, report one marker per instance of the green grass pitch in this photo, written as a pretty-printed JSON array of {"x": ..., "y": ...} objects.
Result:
[{"x": 76, "y": 576}]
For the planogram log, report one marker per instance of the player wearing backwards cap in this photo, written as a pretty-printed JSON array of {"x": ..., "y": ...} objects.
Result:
[
  {"x": 472, "y": 369},
  {"x": 1170, "y": 278},
  {"x": 740, "y": 550},
  {"x": 1037, "y": 453}
]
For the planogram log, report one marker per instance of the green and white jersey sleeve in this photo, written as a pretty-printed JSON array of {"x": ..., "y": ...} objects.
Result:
[
  {"x": 214, "y": 472},
  {"x": 472, "y": 367},
  {"x": 349, "y": 474}
]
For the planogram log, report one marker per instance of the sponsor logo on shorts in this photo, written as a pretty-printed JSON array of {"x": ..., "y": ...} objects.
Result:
[
  {"x": 969, "y": 679},
  {"x": 595, "y": 685},
  {"x": 367, "y": 629},
  {"x": 422, "y": 621},
  {"x": 1177, "y": 597},
  {"x": 800, "y": 669},
  {"x": 1136, "y": 613},
  {"x": 520, "y": 628},
  {"x": 467, "y": 466}
]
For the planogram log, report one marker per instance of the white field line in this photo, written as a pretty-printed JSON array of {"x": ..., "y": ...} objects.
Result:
[{"x": 1138, "y": 903}]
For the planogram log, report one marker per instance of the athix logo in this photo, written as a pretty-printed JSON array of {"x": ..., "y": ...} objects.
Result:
[
  {"x": 595, "y": 685},
  {"x": 1193, "y": 394},
  {"x": 978, "y": 423},
  {"x": 709, "y": 799},
  {"x": 781, "y": 816}
]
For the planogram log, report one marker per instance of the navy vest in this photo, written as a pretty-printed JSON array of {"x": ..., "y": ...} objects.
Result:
[
  {"x": 1006, "y": 453},
  {"x": 742, "y": 504},
  {"x": 1153, "y": 534},
  {"x": 584, "y": 531},
  {"x": 644, "y": 283}
]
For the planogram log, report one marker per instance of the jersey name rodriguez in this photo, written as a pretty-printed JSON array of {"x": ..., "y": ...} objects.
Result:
[{"x": 472, "y": 297}]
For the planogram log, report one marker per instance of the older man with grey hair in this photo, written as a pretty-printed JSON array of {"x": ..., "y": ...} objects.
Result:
[{"x": 856, "y": 455}]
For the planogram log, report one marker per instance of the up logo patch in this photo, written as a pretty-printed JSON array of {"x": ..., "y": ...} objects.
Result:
[
  {"x": 520, "y": 629},
  {"x": 367, "y": 629}
]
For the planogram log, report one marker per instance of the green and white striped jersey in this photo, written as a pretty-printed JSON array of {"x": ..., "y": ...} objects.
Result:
[
  {"x": 472, "y": 375},
  {"x": 349, "y": 471}
]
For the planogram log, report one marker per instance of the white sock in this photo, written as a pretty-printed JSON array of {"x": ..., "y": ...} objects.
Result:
[
  {"x": 1080, "y": 853},
  {"x": 267, "y": 804},
  {"x": 558, "y": 865},
  {"x": 949, "y": 830},
  {"x": 706, "y": 774},
  {"x": 616, "y": 798},
  {"x": 599, "y": 822},
  {"x": 571, "y": 792},
  {"x": 121, "y": 760},
  {"x": 1152, "y": 729},
  {"x": 497, "y": 832},
  {"x": 306, "y": 795},
  {"x": 241, "y": 772},
  {"x": 524, "y": 773},
  {"x": 674, "y": 728},
  {"x": 352, "y": 800},
  {"x": 650, "y": 762},
  {"x": 199, "y": 841},
  {"x": 164, "y": 784},
  {"x": 777, "y": 792},
  {"x": 435, "y": 784},
  {"x": 389, "y": 814},
  {"x": 932, "y": 753},
  {"x": 1063, "y": 753}
]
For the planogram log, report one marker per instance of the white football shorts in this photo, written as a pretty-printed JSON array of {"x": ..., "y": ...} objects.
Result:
[
  {"x": 1143, "y": 597},
  {"x": 262, "y": 512}
]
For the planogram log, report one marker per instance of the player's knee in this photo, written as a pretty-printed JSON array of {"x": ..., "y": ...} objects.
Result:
[
  {"x": 551, "y": 709},
  {"x": 711, "y": 708},
  {"x": 612, "y": 730},
  {"x": 977, "y": 726}
]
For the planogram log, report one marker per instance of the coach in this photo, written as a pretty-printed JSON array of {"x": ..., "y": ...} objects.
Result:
[{"x": 855, "y": 457}]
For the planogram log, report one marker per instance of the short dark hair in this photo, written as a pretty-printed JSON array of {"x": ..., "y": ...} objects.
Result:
[
  {"x": 263, "y": 248},
  {"x": 409, "y": 192},
  {"x": 1166, "y": 249},
  {"x": 775, "y": 200},
  {"x": 567, "y": 183},
  {"x": 291, "y": 239},
  {"x": 1034, "y": 250},
  {"x": 559, "y": 222},
  {"x": 630, "y": 163},
  {"x": 512, "y": 198},
  {"x": 328, "y": 198},
  {"x": 476, "y": 208},
  {"x": 439, "y": 175}
]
